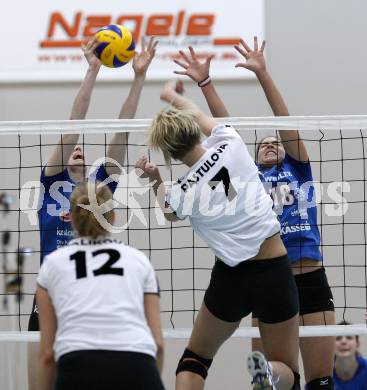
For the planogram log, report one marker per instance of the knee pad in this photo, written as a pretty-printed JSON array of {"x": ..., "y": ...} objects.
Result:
[
  {"x": 297, "y": 381},
  {"x": 192, "y": 362},
  {"x": 324, "y": 383}
]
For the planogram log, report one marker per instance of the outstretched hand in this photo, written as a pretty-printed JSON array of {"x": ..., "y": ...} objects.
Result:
[
  {"x": 88, "y": 51},
  {"x": 196, "y": 70},
  {"x": 143, "y": 59},
  {"x": 255, "y": 60}
]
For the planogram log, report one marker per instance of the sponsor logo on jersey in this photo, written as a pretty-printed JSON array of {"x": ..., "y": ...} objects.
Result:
[
  {"x": 280, "y": 176},
  {"x": 294, "y": 228},
  {"x": 64, "y": 232}
]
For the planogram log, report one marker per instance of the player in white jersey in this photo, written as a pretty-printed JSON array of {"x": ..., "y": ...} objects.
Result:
[
  {"x": 228, "y": 207},
  {"x": 66, "y": 166},
  {"x": 285, "y": 170},
  {"x": 99, "y": 310}
]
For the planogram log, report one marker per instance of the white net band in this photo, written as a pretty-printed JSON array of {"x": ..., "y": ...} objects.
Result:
[
  {"x": 243, "y": 332},
  {"x": 337, "y": 123}
]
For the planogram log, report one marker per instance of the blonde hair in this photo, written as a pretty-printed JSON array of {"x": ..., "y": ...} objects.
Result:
[
  {"x": 175, "y": 133},
  {"x": 84, "y": 220}
]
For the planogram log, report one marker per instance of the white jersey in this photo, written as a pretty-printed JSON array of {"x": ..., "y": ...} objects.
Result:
[
  {"x": 225, "y": 199},
  {"x": 97, "y": 289}
]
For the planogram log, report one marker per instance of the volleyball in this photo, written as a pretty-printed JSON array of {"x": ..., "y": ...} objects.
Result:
[{"x": 117, "y": 46}]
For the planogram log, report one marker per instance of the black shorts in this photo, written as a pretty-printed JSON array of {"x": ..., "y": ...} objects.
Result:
[
  {"x": 314, "y": 292},
  {"x": 264, "y": 287},
  {"x": 102, "y": 370},
  {"x": 33, "y": 323}
]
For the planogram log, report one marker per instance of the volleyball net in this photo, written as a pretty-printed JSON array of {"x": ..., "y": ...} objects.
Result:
[{"x": 337, "y": 149}]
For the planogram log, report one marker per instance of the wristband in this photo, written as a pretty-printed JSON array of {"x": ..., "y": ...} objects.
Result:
[{"x": 204, "y": 82}]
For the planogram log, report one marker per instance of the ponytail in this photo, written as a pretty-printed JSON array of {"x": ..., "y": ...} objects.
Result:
[{"x": 84, "y": 221}]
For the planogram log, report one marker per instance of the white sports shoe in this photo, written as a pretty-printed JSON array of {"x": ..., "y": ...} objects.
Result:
[{"x": 261, "y": 372}]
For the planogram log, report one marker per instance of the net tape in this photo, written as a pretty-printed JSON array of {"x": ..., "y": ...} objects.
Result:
[
  {"x": 95, "y": 126},
  {"x": 243, "y": 332}
]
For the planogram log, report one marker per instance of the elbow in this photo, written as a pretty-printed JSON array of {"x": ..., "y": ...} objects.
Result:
[
  {"x": 159, "y": 342},
  {"x": 160, "y": 349},
  {"x": 160, "y": 346},
  {"x": 46, "y": 357}
]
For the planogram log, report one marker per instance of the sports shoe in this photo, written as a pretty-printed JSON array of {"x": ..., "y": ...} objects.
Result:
[{"x": 261, "y": 372}]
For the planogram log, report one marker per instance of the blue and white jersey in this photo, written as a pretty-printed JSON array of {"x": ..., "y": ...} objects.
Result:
[
  {"x": 359, "y": 380},
  {"x": 54, "y": 214},
  {"x": 290, "y": 185}
]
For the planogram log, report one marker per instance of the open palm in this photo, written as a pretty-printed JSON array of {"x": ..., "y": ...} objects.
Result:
[
  {"x": 143, "y": 59},
  {"x": 196, "y": 70},
  {"x": 255, "y": 60}
]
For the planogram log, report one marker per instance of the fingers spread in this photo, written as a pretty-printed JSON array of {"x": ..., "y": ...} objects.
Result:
[
  {"x": 242, "y": 51},
  {"x": 245, "y": 45},
  {"x": 152, "y": 44},
  {"x": 262, "y": 46},
  {"x": 182, "y": 72},
  {"x": 184, "y": 56},
  {"x": 256, "y": 44},
  {"x": 241, "y": 65},
  {"x": 192, "y": 52},
  {"x": 209, "y": 58},
  {"x": 180, "y": 63}
]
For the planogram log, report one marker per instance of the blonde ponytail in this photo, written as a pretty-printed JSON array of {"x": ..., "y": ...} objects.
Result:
[{"x": 84, "y": 220}]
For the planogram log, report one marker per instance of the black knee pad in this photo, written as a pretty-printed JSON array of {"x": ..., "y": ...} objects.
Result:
[
  {"x": 192, "y": 362},
  {"x": 297, "y": 381},
  {"x": 324, "y": 383}
]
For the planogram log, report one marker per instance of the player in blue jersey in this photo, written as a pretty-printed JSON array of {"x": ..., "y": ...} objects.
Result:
[
  {"x": 66, "y": 167},
  {"x": 285, "y": 169},
  {"x": 350, "y": 368}
]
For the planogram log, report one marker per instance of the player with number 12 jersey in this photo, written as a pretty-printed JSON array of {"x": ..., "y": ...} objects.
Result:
[
  {"x": 99, "y": 307},
  {"x": 96, "y": 287}
]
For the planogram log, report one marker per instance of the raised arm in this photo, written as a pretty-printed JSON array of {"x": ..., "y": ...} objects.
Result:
[
  {"x": 199, "y": 72},
  {"x": 255, "y": 61},
  {"x": 117, "y": 147},
  {"x": 63, "y": 150},
  {"x": 171, "y": 95}
]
